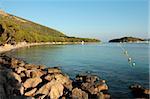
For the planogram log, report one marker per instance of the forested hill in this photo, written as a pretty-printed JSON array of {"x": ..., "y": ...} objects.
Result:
[{"x": 14, "y": 29}]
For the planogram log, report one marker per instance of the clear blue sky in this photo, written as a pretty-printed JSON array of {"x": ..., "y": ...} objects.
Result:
[{"x": 102, "y": 19}]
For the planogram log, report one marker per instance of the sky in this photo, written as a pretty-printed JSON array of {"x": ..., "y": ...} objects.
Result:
[{"x": 101, "y": 19}]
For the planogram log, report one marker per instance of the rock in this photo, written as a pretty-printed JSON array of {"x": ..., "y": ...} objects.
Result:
[
  {"x": 54, "y": 70},
  {"x": 139, "y": 91},
  {"x": 101, "y": 96},
  {"x": 64, "y": 80},
  {"x": 102, "y": 87},
  {"x": 45, "y": 89},
  {"x": 42, "y": 67},
  {"x": 36, "y": 73},
  {"x": 31, "y": 92},
  {"x": 22, "y": 75},
  {"x": 87, "y": 78},
  {"x": 30, "y": 66},
  {"x": 32, "y": 82},
  {"x": 79, "y": 94},
  {"x": 14, "y": 63},
  {"x": 20, "y": 69},
  {"x": 21, "y": 63},
  {"x": 14, "y": 75},
  {"x": 56, "y": 91},
  {"x": 21, "y": 90},
  {"x": 53, "y": 89},
  {"x": 49, "y": 77},
  {"x": 147, "y": 91},
  {"x": 33, "y": 73},
  {"x": 107, "y": 96}
]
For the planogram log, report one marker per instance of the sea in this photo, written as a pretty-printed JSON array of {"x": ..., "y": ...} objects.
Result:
[{"x": 106, "y": 60}]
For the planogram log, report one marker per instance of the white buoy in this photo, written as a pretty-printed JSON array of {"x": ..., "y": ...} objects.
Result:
[
  {"x": 82, "y": 42},
  {"x": 129, "y": 59}
]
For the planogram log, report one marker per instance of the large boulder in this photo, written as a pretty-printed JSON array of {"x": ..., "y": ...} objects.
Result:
[
  {"x": 56, "y": 91},
  {"x": 45, "y": 89},
  {"x": 64, "y": 80},
  {"x": 34, "y": 73},
  {"x": 32, "y": 82},
  {"x": 79, "y": 94}
]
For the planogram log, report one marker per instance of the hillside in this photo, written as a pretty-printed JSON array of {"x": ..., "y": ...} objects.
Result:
[
  {"x": 127, "y": 39},
  {"x": 14, "y": 29}
]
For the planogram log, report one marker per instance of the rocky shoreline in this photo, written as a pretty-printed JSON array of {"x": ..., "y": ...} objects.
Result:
[{"x": 22, "y": 80}]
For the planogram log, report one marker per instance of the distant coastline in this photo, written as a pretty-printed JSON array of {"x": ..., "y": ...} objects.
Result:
[
  {"x": 129, "y": 40},
  {"x": 9, "y": 47}
]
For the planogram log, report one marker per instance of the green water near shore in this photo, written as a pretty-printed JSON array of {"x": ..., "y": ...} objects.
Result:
[{"x": 105, "y": 60}]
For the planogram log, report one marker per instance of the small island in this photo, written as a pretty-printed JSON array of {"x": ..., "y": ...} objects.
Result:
[{"x": 128, "y": 39}]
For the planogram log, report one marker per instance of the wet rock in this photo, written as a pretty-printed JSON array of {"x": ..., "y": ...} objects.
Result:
[
  {"x": 31, "y": 92},
  {"x": 32, "y": 82},
  {"x": 79, "y": 94}
]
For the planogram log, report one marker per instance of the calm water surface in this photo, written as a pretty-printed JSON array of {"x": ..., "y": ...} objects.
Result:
[{"x": 105, "y": 60}]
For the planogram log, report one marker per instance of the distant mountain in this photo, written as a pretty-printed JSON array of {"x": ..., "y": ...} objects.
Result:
[
  {"x": 127, "y": 39},
  {"x": 14, "y": 29}
]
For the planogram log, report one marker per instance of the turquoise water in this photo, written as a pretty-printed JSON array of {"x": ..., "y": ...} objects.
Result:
[{"x": 105, "y": 60}]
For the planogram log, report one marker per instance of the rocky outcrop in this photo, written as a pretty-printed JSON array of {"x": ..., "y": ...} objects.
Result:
[
  {"x": 139, "y": 91},
  {"x": 19, "y": 78}
]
